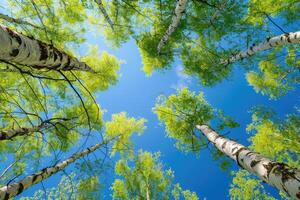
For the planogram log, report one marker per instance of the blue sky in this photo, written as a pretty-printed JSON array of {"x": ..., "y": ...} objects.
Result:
[{"x": 135, "y": 93}]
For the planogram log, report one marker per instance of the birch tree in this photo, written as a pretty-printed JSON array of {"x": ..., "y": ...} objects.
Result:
[
  {"x": 104, "y": 13},
  {"x": 14, "y": 189},
  {"x": 283, "y": 147},
  {"x": 23, "y": 50},
  {"x": 186, "y": 112},
  {"x": 178, "y": 13},
  {"x": 273, "y": 42},
  {"x": 119, "y": 130}
]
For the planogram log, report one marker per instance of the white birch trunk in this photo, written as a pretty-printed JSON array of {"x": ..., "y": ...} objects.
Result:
[
  {"x": 179, "y": 10},
  {"x": 14, "y": 189},
  {"x": 9, "y": 134},
  {"x": 17, "y": 21},
  {"x": 279, "y": 175},
  {"x": 23, "y": 50},
  {"x": 103, "y": 11},
  {"x": 281, "y": 40}
]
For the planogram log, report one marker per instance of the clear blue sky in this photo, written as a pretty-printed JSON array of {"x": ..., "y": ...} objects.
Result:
[{"x": 135, "y": 93}]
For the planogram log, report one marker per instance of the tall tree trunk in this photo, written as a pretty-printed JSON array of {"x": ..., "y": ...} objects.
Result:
[
  {"x": 279, "y": 175},
  {"x": 179, "y": 10},
  {"x": 284, "y": 39},
  {"x": 103, "y": 11},
  {"x": 147, "y": 193},
  {"x": 28, "y": 51},
  {"x": 9, "y": 134},
  {"x": 17, "y": 21},
  {"x": 14, "y": 189}
]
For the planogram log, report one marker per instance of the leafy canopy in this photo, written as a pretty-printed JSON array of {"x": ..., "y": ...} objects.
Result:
[{"x": 181, "y": 112}]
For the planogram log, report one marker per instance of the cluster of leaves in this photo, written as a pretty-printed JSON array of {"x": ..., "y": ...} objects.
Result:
[
  {"x": 143, "y": 177},
  {"x": 181, "y": 112}
]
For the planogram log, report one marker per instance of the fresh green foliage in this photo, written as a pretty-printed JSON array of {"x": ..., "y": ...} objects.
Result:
[
  {"x": 284, "y": 146},
  {"x": 121, "y": 129},
  {"x": 181, "y": 112},
  {"x": 245, "y": 187},
  {"x": 143, "y": 177},
  {"x": 276, "y": 80}
]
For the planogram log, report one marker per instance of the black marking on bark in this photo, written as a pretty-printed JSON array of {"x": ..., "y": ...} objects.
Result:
[
  {"x": 67, "y": 65},
  {"x": 14, "y": 52},
  {"x": 269, "y": 168},
  {"x": 28, "y": 55},
  {"x": 3, "y": 136},
  {"x": 20, "y": 188},
  {"x": 233, "y": 149},
  {"x": 224, "y": 144},
  {"x": 14, "y": 35},
  {"x": 55, "y": 56},
  {"x": 43, "y": 50},
  {"x": 6, "y": 197},
  {"x": 237, "y": 156},
  {"x": 35, "y": 177},
  {"x": 253, "y": 163},
  {"x": 285, "y": 171},
  {"x": 268, "y": 39},
  {"x": 298, "y": 194}
]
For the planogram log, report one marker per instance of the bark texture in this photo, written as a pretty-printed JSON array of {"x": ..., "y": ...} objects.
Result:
[
  {"x": 103, "y": 11},
  {"x": 14, "y": 189},
  {"x": 17, "y": 21},
  {"x": 9, "y": 134},
  {"x": 179, "y": 10},
  {"x": 23, "y": 50},
  {"x": 281, "y": 40},
  {"x": 279, "y": 175}
]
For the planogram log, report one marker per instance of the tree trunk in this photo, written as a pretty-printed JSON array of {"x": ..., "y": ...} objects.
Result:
[
  {"x": 179, "y": 10},
  {"x": 14, "y": 189},
  {"x": 279, "y": 175},
  {"x": 284, "y": 39},
  {"x": 28, "y": 51},
  {"x": 9, "y": 134},
  {"x": 103, "y": 11},
  {"x": 17, "y": 21}
]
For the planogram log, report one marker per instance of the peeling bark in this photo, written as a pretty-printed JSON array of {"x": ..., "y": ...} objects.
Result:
[
  {"x": 279, "y": 175},
  {"x": 9, "y": 134},
  {"x": 17, "y": 21},
  {"x": 179, "y": 10},
  {"x": 281, "y": 40},
  {"x": 23, "y": 50},
  {"x": 103, "y": 11},
  {"x": 14, "y": 189}
]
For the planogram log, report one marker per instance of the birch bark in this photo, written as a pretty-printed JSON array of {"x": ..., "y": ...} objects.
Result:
[
  {"x": 28, "y": 51},
  {"x": 103, "y": 11},
  {"x": 279, "y": 175},
  {"x": 179, "y": 10},
  {"x": 14, "y": 189},
  {"x": 280, "y": 40},
  {"x": 9, "y": 134}
]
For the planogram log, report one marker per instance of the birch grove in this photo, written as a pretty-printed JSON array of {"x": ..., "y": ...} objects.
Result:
[
  {"x": 279, "y": 175},
  {"x": 179, "y": 11},
  {"x": 23, "y": 50}
]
